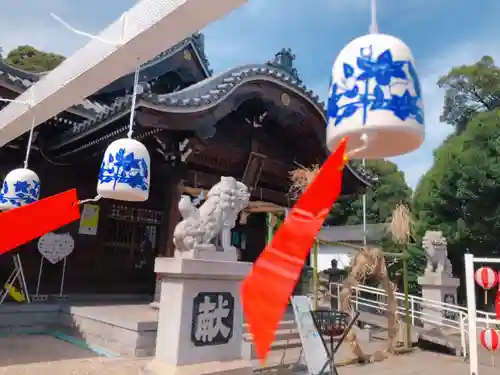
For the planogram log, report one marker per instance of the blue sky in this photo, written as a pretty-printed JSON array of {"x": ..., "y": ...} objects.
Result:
[{"x": 441, "y": 34}]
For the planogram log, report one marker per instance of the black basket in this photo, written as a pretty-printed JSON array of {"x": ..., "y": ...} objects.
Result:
[{"x": 330, "y": 322}]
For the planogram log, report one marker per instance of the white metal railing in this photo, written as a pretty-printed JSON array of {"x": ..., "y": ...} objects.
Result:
[{"x": 422, "y": 311}]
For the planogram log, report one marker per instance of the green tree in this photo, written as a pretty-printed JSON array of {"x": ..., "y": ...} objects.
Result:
[
  {"x": 32, "y": 60},
  {"x": 470, "y": 89},
  {"x": 459, "y": 194},
  {"x": 390, "y": 190}
]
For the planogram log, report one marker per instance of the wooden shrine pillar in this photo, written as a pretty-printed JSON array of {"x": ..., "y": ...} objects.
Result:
[{"x": 171, "y": 217}]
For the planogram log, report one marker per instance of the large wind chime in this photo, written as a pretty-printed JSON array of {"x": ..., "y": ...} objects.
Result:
[
  {"x": 124, "y": 175},
  {"x": 375, "y": 110}
]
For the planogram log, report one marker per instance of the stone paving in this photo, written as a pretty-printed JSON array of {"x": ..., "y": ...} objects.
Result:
[{"x": 44, "y": 355}]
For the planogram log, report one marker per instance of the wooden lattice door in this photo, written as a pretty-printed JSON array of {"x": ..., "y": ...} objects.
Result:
[{"x": 130, "y": 245}]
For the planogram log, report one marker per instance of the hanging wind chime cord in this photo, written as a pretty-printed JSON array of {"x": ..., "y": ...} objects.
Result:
[
  {"x": 94, "y": 37},
  {"x": 130, "y": 125},
  {"x": 373, "y": 25},
  {"x": 373, "y": 30},
  {"x": 134, "y": 101},
  {"x": 117, "y": 44},
  {"x": 364, "y": 138},
  {"x": 32, "y": 129},
  {"x": 95, "y": 199}
]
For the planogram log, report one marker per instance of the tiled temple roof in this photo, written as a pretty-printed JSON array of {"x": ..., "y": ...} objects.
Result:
[
  {"x": 208, "y": 92},
  {"x": 22, "y": 79},
  {"x": 158, "y": 66},
  {"x": 200, "y": 96},
  {"x": 211, "y": 91}
]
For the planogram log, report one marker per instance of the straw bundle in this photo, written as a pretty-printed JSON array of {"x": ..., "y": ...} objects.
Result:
[
  {"x": 301, "y": 178},
  {"x": 401, "y": 225}
]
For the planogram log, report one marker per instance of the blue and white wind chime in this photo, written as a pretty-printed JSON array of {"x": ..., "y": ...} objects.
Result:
[
  {"x": 375, "y": 97},
  {"x": 124, "y": 175}
]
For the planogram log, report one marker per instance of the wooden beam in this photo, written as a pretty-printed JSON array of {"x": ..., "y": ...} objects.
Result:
[
  {"x": 203, "y": 180},
  {"x": 253, "y": 206},
  {"x": 171, "y": 214}
]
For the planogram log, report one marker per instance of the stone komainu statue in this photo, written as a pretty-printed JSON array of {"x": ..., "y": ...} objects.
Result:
[
  {"x": 434, "y": 244},
  {"x": 216, "y": 216}
]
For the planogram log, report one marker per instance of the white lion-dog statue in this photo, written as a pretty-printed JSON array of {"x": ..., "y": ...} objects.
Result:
[
  {"x": 200, "y": 227},
  {"x": 434, "y": 244}
]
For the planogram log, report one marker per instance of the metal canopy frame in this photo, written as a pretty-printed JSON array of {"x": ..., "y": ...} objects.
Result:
[{"x": 147, "y": 29}]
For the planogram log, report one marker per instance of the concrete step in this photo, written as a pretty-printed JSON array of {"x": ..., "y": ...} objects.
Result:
[
  {"x": 287, "y": 338},
  {"x": 278, "y": 347},
  {"x": 281, "y": 334},
  {"x": 290, "y": 359},
  {"x": 284, "y": 324}
]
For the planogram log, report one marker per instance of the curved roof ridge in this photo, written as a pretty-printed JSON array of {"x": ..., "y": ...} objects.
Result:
[{"x": 20, "y": 73}]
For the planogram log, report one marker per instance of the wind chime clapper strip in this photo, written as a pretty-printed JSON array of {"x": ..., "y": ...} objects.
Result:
[
  {"x": 267, "y": 289},
  {"x": 43, "y": 216}
]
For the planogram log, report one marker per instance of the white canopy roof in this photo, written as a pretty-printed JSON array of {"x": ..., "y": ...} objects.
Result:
[{"x": 147, "y": 29}]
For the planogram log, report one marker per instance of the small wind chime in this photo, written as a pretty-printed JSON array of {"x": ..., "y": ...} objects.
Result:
[
  {"x": 20, "y": 187},
  {"x": 375, "y": 110},
  {"x": 125, "y": 170},
  {"x": 124, "y": 175}
]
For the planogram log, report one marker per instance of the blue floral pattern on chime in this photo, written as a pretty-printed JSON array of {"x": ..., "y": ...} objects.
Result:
[
  {"x": 371, "y": 88},
  {"x": 21, "y": 186},
  {"x": 124, "y": 168},
  {"x": 20, "y": 193},
  {"x": 125, "y": 171},
  {"x": 375, "y": 99}
]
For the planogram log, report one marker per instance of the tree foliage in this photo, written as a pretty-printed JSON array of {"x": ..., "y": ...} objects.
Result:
[
  {"x": 470, "y": 89},
  {"x": 416, "y": 265},
  {"x": 390, "y": 190},
  {"x": 459, "y": 194},
  {"x": 32, "y": 60}
]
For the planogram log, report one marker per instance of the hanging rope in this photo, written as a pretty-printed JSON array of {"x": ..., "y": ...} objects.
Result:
[
  {"x": 373, "y": 25},
  {"x": 134, "y": 101},
  {"x": 95, "y": 199},
  {"x": 32, "y": 129},
  {"x": 94, "y": 37},
  {"x": 136, "y": 76},
  {"x": 364, "y": 138}
]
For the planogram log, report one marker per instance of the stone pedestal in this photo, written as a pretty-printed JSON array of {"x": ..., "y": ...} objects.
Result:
[
  {"x": 438, "y": 287},
  {"x": 156, "y": 299},
  {"x": 200, "y": 328}
]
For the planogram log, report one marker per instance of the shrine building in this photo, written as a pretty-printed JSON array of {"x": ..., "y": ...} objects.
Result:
[{"x": 256, "y": 122}]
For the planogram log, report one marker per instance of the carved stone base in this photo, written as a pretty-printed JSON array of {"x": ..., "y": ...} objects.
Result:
[
  {"x": 440, "y": 288},
  {"x": 236, "y": 367},
  {"x": 200, "y": 328}
]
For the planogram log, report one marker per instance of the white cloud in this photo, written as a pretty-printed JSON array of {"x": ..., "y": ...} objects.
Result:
[{"x": 418, "y": 162}]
